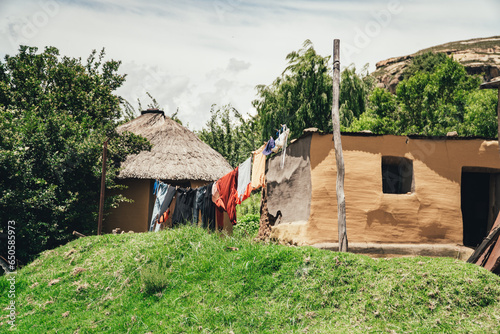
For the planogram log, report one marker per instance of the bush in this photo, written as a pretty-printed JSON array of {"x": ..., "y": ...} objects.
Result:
[
  {"x": 248, "y": 226},
  {"x": 250, "y": 206}
]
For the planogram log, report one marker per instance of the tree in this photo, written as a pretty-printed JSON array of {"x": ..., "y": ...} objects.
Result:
[
  {"x": 379, "y": 118},
  {"x": 230, "y": 134},
  {"x": 480, "y": 116},
  {"x": 425, "y": 62},
  {"x": 55, "y": 113},
  {"x": 434, "y": 103},
  {"x": 437, "y": 98},
  {"x": 301, "y": 97},
  {"x": 354, "y": 91}
]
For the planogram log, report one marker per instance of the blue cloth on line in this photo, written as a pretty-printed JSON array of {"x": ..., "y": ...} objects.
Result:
[
  {"x": 160, "y": 196},
  {"x": 269, "y": 146}
]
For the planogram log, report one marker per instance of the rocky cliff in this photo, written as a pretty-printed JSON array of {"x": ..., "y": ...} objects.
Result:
[{"x": 479, "y": 56}]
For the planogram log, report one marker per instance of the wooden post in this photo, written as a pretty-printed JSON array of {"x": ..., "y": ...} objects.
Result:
[
  {"x": 103, "y": 187},
  {"x": 343, "y": 247},
  {"x": 498, "y": 115}
]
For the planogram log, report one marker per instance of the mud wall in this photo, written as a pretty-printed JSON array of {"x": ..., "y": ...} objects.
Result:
[
  {"x": 431, "y": 213},
  {"x": 131, "y": 216}
]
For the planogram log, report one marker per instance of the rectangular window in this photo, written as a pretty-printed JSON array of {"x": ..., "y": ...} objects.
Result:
[{"x": 397, "y": 175}]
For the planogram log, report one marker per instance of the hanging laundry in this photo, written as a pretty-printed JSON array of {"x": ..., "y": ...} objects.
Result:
[
  {"x": 244, "y": 178},
  {"x": 282, "y": 138},
  {"x": 164, "y": 217},
  {"x": 183, "y": 211},
  {"x": 169, "y": 196},
  {"x": 198, "y": 203},
  {"x": 269, "y": 147},
  {"x": 216, "y": 196},
  {"x": 283, "y": 154},
  {"x": 259, "y": 168},
  {"x": 162, "y": 220},
  {"x": 155, "y": 186},
  {"x": 208, "y": 209},
  {"x": 219, "y": 218},
  {"x": 161, "y": 192},
  {"x": 226, "y": 187}
]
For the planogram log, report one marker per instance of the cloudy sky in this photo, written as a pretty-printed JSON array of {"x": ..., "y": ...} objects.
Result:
[{"x": 191, "y": 54}]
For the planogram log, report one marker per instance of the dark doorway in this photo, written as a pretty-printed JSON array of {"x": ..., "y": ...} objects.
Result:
[{"x": 480, "y": 203}]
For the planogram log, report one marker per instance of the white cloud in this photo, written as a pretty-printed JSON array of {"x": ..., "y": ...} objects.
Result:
[
  {"x": 191, "y": 54},
  {"x": 236, "y": 65}
]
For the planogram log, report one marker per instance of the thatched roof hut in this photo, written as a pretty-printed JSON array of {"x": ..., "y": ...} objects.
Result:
[
  {"x": 177, "y": 157},
  {"x": 177, "y": 153}
]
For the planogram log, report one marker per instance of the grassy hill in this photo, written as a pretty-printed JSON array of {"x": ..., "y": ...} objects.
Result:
[{"x": 187, "y": 281}]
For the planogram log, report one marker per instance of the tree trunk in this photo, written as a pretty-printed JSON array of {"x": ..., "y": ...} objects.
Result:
[{"x": 338, "y": 149}]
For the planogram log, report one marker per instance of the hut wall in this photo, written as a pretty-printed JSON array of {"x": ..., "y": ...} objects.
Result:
[
  {"x": 429, "y": 213},
  {"x": 198, "y": 183},
  {"x": 289, "y": 189},
  {"x": 132, "y": 216}
]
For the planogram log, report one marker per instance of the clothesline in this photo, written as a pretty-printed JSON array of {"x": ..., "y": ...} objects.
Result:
[{"x": 221, "y": 196}]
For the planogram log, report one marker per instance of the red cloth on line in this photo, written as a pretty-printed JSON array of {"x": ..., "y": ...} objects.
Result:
[
  {"x": 246, "y": 194},
  {"x": 164, "y": 216},
  {"x": 227, "y": 188}
]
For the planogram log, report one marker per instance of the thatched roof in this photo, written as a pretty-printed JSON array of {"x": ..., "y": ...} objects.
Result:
[{"x": 177, "y": 153}]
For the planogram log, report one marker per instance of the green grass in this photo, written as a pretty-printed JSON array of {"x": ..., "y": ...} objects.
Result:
[
  {"x": 188, "y": 281},
  {"x": 475, "y": 43}
]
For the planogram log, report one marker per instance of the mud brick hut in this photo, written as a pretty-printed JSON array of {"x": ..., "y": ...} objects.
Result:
[
  {"x": 404, "y": 194},
  {"x": 177, "y": 157}
]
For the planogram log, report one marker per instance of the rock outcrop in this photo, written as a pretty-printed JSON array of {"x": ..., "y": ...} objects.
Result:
[{"x": 479, "y": 56}]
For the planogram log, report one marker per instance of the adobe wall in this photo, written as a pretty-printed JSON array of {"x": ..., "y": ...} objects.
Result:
[{"x": 431, "y": 214}]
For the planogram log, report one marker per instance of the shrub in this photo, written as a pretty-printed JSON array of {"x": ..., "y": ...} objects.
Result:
[{"x": 248, "y": 226}]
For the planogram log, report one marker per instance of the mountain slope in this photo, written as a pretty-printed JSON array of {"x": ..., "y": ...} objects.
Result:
[
  {"x": 478, "y": 55},
  {"x": 186, "y": 280}
]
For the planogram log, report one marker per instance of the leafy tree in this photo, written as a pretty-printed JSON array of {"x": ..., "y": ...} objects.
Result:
[
  {"x": 353, "y": 95},
  {"x": 301, "y": 97},
  {"x": 379, "y": 117},
  {"x": 55, "y": 113},
  {"x": 230, "y": 134},
  {"x": 480, "y": 117},
  {"x": 434, "y": 103},
  {"x": 438, "y": 98},
  {"x": 425, "y": 62}
]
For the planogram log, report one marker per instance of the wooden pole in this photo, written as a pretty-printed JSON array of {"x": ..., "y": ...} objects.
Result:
[
  {"x": 343, "y": 247},
  {"x": 103, "y": 187},
  {"x": 498, "y": 115}
]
